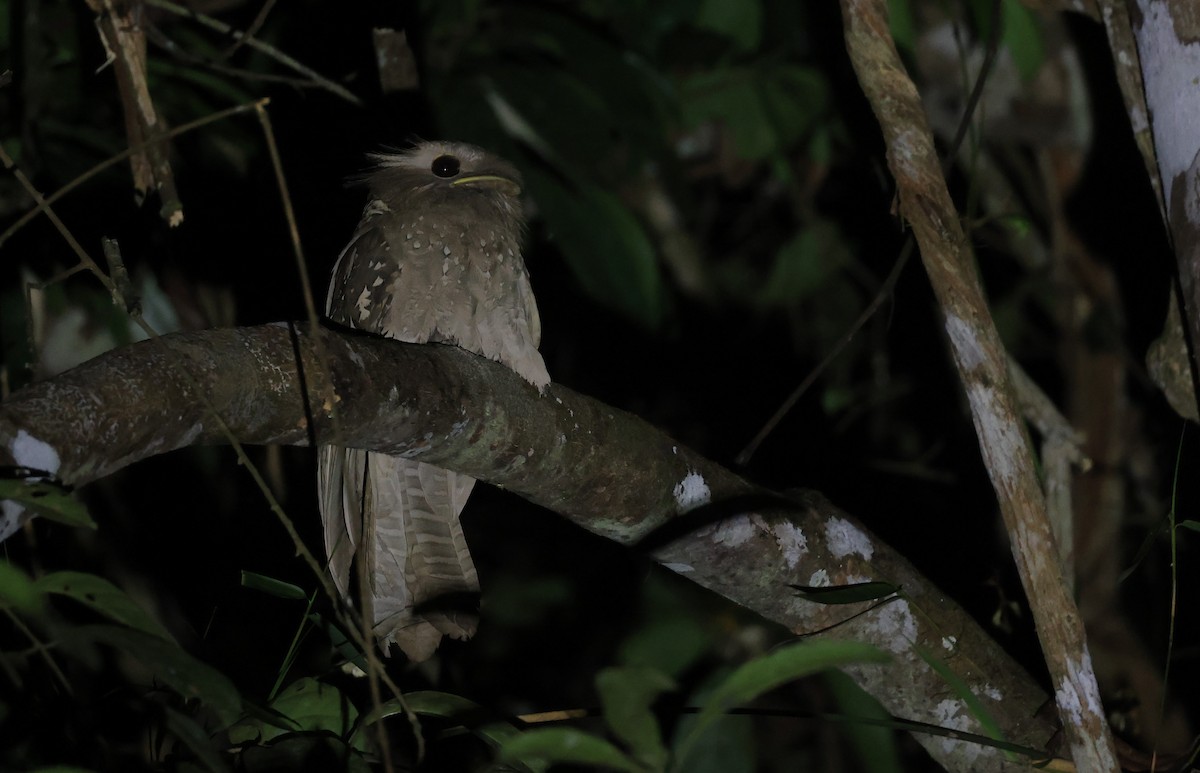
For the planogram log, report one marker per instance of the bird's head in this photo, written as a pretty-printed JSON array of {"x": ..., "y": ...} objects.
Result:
[{"x": 440, "y": 169}]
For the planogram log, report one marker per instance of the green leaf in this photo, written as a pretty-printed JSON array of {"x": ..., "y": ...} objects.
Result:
[
  {"x": 847, "y": 594},
  {"x": 772, "y": 670},
  {"x": 18, "y": 591},
  {"x": 194, "y": 737},
  {"x": 990, "y": 727},
  {"x": 273, "y": 587},
  {"x": 668, "y": 645},
  {"x": 345, "y": 648},
  {"x": 102, "y": 596},
  {"x": 443, "y": 705},
  {"x": 804, "y": 265},
  {"x": 303, "y": 751},
  {"x": 605, "y": 246},
  {"x": 566, "y": 745},
  {"x": 874, "y": 746},
  {"x": 169, "y": 664},
  {"x": 49, "y": 500},
  {"x": 306, "y": 705},
  {"x": 1024, "y": 39},
  {"x": 765, "y": 109},
  {"x": 739, "y": 21},
  {"x": 626, "y": 695},
  {"x": 902, "y": 24}
]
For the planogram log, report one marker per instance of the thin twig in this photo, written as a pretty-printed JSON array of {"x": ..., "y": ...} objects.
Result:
[
  {"x": 287, "y": 61},
  {"x": 375, "y": 667},
  {"x": 252, "y": 30},
  {"x": 343, "y": 613},
  {"x": 885, "y": 290},
  {"x": 44, "y": 203}
]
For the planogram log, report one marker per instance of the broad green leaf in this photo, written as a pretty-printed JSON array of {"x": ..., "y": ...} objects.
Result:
[
  {"x": 804, "y": 265},
  {"x": 874, "y": 746},
  {"x": 306, "y": 705},
  {"x": 726, "y": 746},
  {"x": 1024, "y": 39},
  {"x": 102, "y": 596},
  {"x": 637, "y": 101},
  {"x": 902, "y": 24},
  {"x": 626, "y": 695},
  {"x": 605, "y": 246},
  {"x": 48, "y": 500},
  {"x": 669, "y": 645},
  {"x": 566, "y": 745},
  {"x": 765, "y": 109},
  {"x": 772, "y": 670},
  {"x": 345, "y": 648},
  {"x": 443, "y": 705},
  {"x": 273, "y": 587},
  {"x": 302, "y": 751},
  {"x": 847, "y": 594},
  {"x": 170, "y": 664},
  {"x": 196, "y": 739},
  {"x": 17, "y": 590},
  {"x": 739, "y": 21}
]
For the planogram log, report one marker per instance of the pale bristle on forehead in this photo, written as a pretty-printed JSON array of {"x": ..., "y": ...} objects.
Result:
[{"x": 421, "y": 155}]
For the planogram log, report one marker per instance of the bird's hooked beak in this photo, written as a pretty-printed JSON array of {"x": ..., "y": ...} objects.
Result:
[{"x": 503, "y": 184}]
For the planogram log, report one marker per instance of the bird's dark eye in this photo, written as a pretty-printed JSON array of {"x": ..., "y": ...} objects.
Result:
[{"x": 445, "y": 166}]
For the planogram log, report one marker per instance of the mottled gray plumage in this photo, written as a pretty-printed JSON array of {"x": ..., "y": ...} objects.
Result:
[{"x": 436, "y": 257}]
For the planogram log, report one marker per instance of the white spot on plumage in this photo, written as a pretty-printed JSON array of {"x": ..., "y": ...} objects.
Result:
[
  {"x": 364, "y": 304},
  {"x": 446, "y": 250},
  {"x": 378, "y": 281}
]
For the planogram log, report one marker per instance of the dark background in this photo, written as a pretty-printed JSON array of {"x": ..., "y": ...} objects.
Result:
[{"x": 884, "y": 433}]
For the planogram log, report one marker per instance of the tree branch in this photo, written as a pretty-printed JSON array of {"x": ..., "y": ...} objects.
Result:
[{"x": 604, "y": 469}]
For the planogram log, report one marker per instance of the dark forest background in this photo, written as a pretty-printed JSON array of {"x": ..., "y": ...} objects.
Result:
[{"x": 744, "y": 124}]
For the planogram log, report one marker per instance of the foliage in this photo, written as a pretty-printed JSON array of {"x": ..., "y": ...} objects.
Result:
[{"x": 708, "y": 216}]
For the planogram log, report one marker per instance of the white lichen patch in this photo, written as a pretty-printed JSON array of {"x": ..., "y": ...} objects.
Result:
[
  {"x": 1073, "y": 697},
  {"x": 965, "y": 342},
  {"x": 1001, "y": 440},
  {"x": 734, "y": 531},
  {"x": 844, "y": 539},
  {"x": 1170, "y": 65},
  {"x": 993, "y": 692},
  {"x": 691, "y": 492},
  {"x": 819, "y": 579},
  {"x": 896, "y": 624},
  {"x": 953, "y": 714},
  {"x": 792, "y": 542},
  {"x": 28, "y": 451},
  {"x": 949, "y": 643}
]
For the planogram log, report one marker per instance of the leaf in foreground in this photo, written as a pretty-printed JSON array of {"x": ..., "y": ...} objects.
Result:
[
  {"x": 566, "y": 745},
  {"x": 773, "y": 670}
]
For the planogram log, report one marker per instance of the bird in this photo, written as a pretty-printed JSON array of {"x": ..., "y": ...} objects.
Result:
[{"x": 436, "y": 258}]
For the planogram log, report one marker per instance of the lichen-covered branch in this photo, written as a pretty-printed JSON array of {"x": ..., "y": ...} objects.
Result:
[
  {"x": 1168, "y": 41},
  {"x": 979, "y": 357},
  {"x": 604, "y": 469}
]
